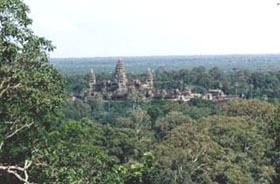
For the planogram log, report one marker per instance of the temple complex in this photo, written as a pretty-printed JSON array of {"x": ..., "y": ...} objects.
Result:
[{"x": 120, "y": 88}]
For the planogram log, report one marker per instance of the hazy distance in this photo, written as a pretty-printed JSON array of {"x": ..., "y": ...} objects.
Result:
[{"x": 90, "y": 28}]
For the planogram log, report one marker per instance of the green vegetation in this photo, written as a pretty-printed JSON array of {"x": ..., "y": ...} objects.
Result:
[
  {"x": 139, "y": 64},
  {"x": 30, "y": 91},
  {"x": 232, "y": 142},
  {"x": 47, "y": 137}
]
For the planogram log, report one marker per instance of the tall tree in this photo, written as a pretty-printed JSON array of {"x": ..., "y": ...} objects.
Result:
[{"x": 30, "y": 89}]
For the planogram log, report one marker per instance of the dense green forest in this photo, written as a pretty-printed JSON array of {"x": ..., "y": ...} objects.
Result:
[
  {"x": 46, "y": 137},
  {"x": 139, "y": 64}
]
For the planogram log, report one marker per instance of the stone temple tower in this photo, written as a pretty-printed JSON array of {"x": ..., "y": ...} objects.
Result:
[
  {"x": 149, "y": 78},
  {"x": 91, "y": 82},
  {"x": 120, "y": 75}
]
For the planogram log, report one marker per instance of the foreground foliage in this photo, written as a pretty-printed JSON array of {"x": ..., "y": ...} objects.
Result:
[
  {"x": 30, "y": 90},
  {"x": 234, "y": 145}
]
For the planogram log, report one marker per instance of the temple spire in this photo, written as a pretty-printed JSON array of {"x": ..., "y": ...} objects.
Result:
[
  {"x": 120, "y": 75},
  {"x": 91, "y": 82},
  {"x": 92, "y": 78},
  {"x": 149, "y": 78}
]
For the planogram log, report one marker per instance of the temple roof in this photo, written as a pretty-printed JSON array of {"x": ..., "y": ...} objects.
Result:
[
  {"x": 120, "y": 71},
  {"x": 92, "y": 74},
  {"x": 149, "y": 74}
]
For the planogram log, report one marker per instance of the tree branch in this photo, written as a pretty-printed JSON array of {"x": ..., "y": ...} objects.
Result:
[
  {"x": 16, "y": 170},
  {"x": 4, "y": 88},
  {"x": 9, "y": 135}
]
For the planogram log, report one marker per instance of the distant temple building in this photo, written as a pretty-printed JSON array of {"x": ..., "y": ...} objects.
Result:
[
  {"x": 120, "y": 88},
  {"x": 120, "y": 77},
  {"x": 91, "y": 83}
]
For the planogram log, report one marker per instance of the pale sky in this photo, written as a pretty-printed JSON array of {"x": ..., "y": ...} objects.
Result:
[{"x": 90, "y": 28}]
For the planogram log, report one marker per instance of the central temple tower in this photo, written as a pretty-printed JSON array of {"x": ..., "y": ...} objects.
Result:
[
  {"x": 91, "y": 83},
  {"x": 120, "y": 75},
  {"x": 149, "y": 78}
]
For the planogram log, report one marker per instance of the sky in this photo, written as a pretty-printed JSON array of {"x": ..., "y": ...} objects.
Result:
[{"x": 97, "y": 28}]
